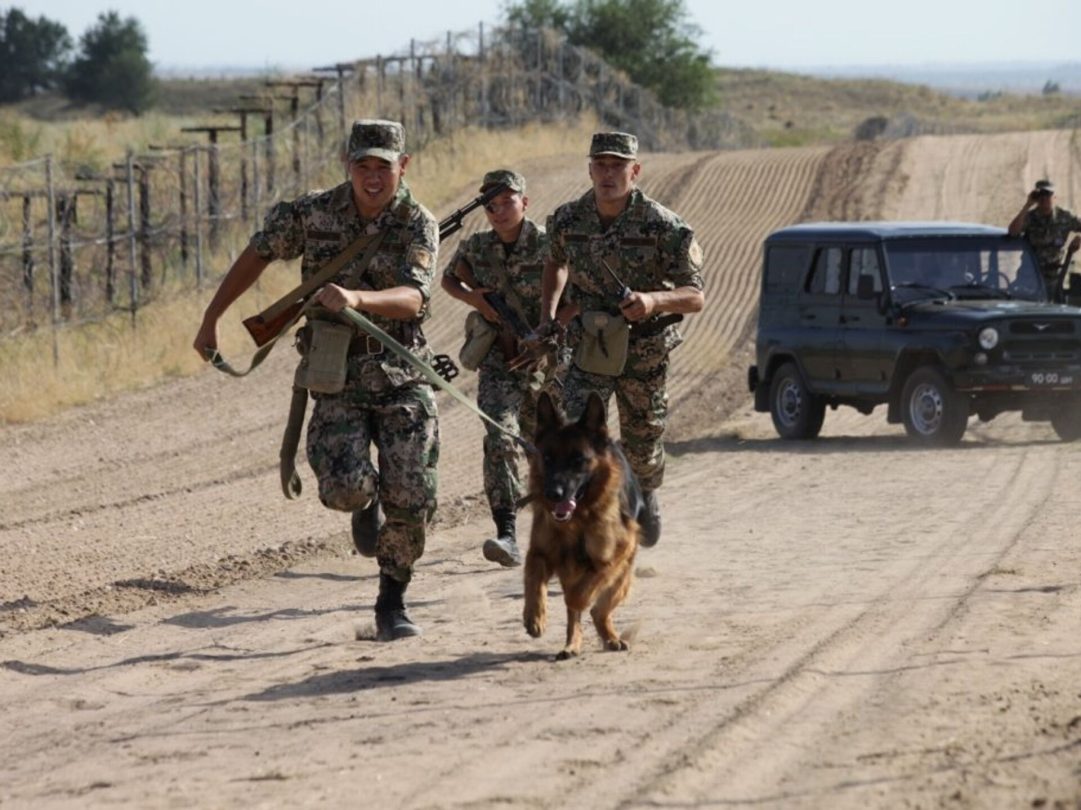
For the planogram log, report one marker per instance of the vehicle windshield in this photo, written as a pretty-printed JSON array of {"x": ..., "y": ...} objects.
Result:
[{"x": 992, "y": 267}]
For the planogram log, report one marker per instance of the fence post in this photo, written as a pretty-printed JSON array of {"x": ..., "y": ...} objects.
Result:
[
  {"x": 110, "y": 241},
  {"x": 183, "y": 158},
  {"x": 197, "y": 187},
  {"x": 65, "y": 211},
  {"x": 50, "y": 192},
  {"x": 133, "y": 284},
  {"x": 144, "y": 225},
  {"x": 28, "y": 253}
]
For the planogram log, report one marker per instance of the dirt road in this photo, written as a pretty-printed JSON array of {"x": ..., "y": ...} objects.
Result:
[{"x": 840, "y": 623}]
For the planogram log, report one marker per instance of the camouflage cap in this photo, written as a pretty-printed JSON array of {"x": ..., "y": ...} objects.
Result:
[
  {"x": 1044, "y": 187},
  {"x": 376, "y": 138},
  {"x": 509, "y": 178},
  {"x": 619, "y": 144}
]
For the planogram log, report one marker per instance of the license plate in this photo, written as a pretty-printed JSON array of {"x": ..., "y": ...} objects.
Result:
[{"x": 1044, "y": 379}]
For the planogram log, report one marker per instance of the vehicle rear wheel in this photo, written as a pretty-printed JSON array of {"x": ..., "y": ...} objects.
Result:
[
  {"x": 932, "y": 411},
  {"x": 1067, "y": 423},
  {"x": 796, "y": 412}
]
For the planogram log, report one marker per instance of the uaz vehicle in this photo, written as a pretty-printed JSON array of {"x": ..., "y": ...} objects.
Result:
[{"x": 935, "y": 320}]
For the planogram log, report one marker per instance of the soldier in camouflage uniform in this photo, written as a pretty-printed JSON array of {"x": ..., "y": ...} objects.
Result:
[
  {"x": 384, "y": 401},
  {"x": 655, "y": 254},
  {"x": 507, "y": 260},
  {"x": 1046, "y": 227}
]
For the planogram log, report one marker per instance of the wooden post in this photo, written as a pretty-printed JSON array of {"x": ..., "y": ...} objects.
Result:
[
  {"x": 28, "y": 252},
  {"x": 146, "y": 276},
  {"x": 213, "y": 175},
  {"x": 50, "y": 191},
  {"x": 65, "y": 213},
  {"x": 133, "y": 286},
  {"x": 110, "y": 241},
  {"x": 197, "y": 186}
]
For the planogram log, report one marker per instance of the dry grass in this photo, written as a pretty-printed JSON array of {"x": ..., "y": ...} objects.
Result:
[{"x": 122, "y": 353}]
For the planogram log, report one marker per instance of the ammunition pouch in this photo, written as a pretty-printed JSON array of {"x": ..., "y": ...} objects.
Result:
[
  {"x": 479, "y": 337},
  {"x": 324, "y": 346},
  {"x": 602, "y": 348}
]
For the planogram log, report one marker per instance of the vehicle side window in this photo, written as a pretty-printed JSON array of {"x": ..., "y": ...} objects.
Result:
[
  {"x": 863, "y": 262},
  {"x": 785, "y": 265},
  {"x": 826, "y": 276}
]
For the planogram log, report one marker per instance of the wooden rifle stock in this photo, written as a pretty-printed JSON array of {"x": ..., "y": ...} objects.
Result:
[{"x": 263, "y": 329}]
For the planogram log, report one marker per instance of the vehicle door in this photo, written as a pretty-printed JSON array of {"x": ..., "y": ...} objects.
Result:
[
  {"x": 820, "y": 342},
  {"x": 867, "y": 359}
]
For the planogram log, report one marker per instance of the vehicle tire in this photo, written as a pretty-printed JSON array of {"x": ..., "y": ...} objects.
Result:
[
  {"x": 796, "y": 412},
  {"x": 932, "y": 411},
  {"x": 1067, "y": 423}
]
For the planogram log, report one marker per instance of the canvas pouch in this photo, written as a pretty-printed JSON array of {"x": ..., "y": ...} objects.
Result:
[
  {"x": 325, "y": 350},
  {"x": 479, "y": 337},
  {"x": 602, "y": 348}
]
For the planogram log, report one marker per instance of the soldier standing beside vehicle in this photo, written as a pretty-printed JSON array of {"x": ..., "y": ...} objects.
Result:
[
  {"x": 1046, "y": 227},
  {"x": 382, "y": 399},
  {"x": 625, "y": 260},
  {"x": 506, "y": 261}
]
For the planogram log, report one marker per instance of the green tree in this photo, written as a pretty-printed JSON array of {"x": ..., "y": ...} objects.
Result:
[
  {"x": 112, "y": 67},
  {"x": 33, "y": 54},
  {"x": 653, "y": 41}
]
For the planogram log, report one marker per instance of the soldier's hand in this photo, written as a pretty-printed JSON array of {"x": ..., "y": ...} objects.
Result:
[
  {"x": 1033, "y": 197},
  {"x": 638, "y": 306},
  {"x": 337, "y": 298},
  {"x": 206, "y": 340},
  {"x": 481, "y": 305},
  {"x": 1075, "y": 244}
]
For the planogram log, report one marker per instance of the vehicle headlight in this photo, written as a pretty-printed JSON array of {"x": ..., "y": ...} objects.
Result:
[{"x": 988, "y": 338}]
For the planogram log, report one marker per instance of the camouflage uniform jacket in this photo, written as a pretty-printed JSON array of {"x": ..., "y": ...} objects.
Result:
[
  {"x": 518, "y": 270},
  {"x": 1048, "y": 234},
  {"x": 320, "y": 225},
  {"x": 649, "y": 247}
]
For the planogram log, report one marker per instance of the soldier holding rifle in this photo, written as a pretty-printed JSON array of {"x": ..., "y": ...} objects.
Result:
[
  {"x": 498, "y": 273},
  {"x": 363, "y": 393},
  {"x": 632, "y": 268}
]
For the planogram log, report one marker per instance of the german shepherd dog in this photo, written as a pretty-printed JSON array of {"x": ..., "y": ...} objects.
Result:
[{"x": 585, "y": 530}]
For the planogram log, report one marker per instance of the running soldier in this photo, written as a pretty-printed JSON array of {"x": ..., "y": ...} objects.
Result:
[
  {"x": 506, "y": 261},
  {"x": 625, "y": 259},
  {"x": 1046, "y": 227},
  {"x": 384, "y": 400}
]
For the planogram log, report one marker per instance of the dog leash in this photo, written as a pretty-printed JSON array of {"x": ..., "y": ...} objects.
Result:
[{"x": 429, "y": 373}]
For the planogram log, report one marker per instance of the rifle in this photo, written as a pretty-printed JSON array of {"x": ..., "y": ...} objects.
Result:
[
  {"x": 453, "y": 223},
  {"x": 271, "y": 322},
  {"x": 646, "y": 328}
]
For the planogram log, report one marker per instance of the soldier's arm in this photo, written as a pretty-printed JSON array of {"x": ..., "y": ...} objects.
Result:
[
  {"x": 684, "y": 258},
  {"x": 1017, "y": 224},
  {"x": 553, "y": 281},
  {"x": 244, "y": 272},
  {"x": 458, "y": 282}
]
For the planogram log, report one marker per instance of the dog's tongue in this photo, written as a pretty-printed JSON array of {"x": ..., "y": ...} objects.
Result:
[{"x": 564, "y": 509}]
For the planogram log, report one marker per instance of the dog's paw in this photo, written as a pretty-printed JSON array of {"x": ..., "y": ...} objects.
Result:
[
  {"x": 566, "y": 654},
  {"x": 535, "y": 625},
  {"x": 617, "y": 645}
]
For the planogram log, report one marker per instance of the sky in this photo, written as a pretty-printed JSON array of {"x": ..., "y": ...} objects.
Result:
[{"x": 785, "y": 34}]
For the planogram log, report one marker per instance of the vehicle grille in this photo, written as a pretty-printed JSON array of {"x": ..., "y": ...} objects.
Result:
[{"x": 1043, "y": 328}]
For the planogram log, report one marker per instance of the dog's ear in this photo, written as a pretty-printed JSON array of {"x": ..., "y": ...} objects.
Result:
[
  {"x": 548, "y": 417},
  {"x": 594, "y": 419}
]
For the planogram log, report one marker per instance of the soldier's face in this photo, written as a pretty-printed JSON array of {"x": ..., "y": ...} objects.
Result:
[
  {"x": 1046, "y": 203},
  {"x": 613, "y": 177},
  {"x": 375, "y": 182},
  {"x": 506, "y": 211}
]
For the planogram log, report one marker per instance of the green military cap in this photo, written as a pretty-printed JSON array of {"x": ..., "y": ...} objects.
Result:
[
  {"x": 510, "y": 179},
  {"x": 619, "y": 144},
  {"x": 1044, "y": 187},
  {"x": 375, "y": 138}
]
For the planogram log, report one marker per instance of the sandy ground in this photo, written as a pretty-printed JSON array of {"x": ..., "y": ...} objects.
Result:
[{"x": 848, "y": 622}]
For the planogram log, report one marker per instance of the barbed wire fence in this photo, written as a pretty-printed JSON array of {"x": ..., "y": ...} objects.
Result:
[{"x": 77, "y": 246}]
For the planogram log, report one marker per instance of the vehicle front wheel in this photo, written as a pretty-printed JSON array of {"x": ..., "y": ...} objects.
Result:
[
  {"x": 932, "y": 411},
  {"x": 1067, "y": 422},
  {"x": 796, "y": 412}
]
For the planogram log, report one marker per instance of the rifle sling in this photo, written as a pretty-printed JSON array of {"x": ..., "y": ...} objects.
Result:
[{"x": 503, "y": 283}]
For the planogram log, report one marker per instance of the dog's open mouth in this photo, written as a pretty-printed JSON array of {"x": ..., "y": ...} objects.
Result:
[{"x": 563, "y": 510}]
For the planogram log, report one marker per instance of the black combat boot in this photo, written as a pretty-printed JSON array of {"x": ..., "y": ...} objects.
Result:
[
  {"x": 391, "y": 620},
  {"x": 503, "y": 548},
  {"x": 649, "y": 518},
  {"x": 366, "y": 525}
]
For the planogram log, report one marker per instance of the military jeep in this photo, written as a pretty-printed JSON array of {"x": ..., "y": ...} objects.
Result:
[{"x": 936, "y": 321}]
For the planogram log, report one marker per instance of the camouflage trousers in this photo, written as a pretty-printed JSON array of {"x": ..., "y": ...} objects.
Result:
[
  {"x": 402, "y": 424},
  {"x": 642, "y": 398},
  {"x": 510, "y": 399}
]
